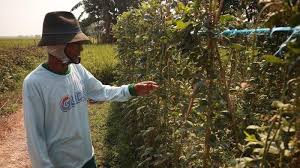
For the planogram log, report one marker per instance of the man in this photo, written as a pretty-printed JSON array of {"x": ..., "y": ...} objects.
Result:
[{"x": 55, "y": 98}]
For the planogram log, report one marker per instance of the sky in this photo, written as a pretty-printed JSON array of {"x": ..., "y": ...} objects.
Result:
[{"x": 25, "y": 17}]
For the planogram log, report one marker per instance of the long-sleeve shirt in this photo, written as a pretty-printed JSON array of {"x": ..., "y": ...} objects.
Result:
[{"x": 56, "y": 115}]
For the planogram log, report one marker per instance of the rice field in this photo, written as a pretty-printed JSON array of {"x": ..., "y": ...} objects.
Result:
[
  {"x": 17, "y": 43},
  {"x": 95, "y": 57}
]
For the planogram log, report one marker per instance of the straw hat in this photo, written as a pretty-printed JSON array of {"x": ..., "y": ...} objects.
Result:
[{"x": 61, "y": 27}]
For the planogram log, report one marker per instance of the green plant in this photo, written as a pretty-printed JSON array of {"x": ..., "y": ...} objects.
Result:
[{"x": 212, "y": 89}]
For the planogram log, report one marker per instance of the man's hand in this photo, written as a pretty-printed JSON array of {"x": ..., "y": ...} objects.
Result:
[{"x": 145, "y": 88}]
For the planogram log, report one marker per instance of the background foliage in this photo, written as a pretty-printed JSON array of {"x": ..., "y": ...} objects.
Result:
[{"x": 102, "y": 14}]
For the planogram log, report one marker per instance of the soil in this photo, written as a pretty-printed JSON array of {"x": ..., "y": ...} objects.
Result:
[{"x": 13, "y": 149}]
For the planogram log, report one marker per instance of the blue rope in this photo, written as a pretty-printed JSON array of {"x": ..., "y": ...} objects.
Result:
[
  {"x": 295, "y": 32},
  {"x": 261, "y": 31}
]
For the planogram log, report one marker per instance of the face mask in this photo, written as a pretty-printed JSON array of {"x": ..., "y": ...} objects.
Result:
[
  {"x": 74, "y": 61},
  {"x": 58, "y": 51}
]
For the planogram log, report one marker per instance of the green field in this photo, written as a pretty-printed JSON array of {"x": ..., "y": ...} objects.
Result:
[{"x": 17, "y": 43}]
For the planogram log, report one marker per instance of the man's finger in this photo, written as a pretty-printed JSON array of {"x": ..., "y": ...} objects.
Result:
[{"x": 152, "y": 86}]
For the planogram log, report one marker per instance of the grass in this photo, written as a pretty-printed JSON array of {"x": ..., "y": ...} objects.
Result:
[
  {"x": 10, "y": 102},
  {"x": 109, "y": 136},
  {"x": 118, "y": 151},
  {"x": 98, "y": 117}
]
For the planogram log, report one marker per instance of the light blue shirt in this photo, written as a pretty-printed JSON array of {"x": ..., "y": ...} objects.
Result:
[{"x": 56, "y": 115}]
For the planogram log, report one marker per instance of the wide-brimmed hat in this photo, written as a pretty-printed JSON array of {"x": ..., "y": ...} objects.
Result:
[{"x": 61, "y": 27}]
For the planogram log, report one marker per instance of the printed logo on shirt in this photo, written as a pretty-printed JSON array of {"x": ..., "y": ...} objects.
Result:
[{"x": 68, "y": 102}]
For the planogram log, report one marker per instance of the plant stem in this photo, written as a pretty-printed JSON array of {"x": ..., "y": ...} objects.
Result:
[
  {"x": 219, "y": 11},
  {"x": 230, "y": 107}
]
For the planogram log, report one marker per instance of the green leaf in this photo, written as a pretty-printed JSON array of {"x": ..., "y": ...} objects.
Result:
[
  {"x": 169, "y": 22},
  {"x": 157, "y": 138},
  {"x": 294, "y": 20},
  {"x": 244, "y": 159},
  {"x": 227, "y": 18},
  {"x": 139, "y": 109},
  {"x": 283, "y": 107},
  {"x": 189, "y": 123},
  {"x": 275, "y": 19},
  {"x": 180, "y": 25},
  {"x": 203, "y": 102},
  {"x": 250, "y": 138},
  {"x": 149, "y": 130},
  {"x": 138, "y": 52},
  {"x": 159, "y": 162},
  {"x": 277, "y": 104},
  {"x": 274, "y": 59},
  {"x": 253, "y": 127},
  {"x": 145, "y": 37},
  {"x": 144, "y": 161},
  {"x": 273, "y": 150},
  {"x": 258, "y": 143},
  {"x": 258, "y": 150},
  {"x": 294, "y": 50},
  {"x": 182, "y": 158},
  {"x": 180, "y": 6},
  {"x": 288, "y": 129},
  {"x": 237, "y": 46},
  {"x": 147, "y": 151}
]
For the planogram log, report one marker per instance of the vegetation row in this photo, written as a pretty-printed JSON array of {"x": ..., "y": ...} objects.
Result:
[{"x": 222, "y": 102}]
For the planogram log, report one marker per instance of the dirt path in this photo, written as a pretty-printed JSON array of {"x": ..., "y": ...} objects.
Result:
[{"x": 13, "y": 149}]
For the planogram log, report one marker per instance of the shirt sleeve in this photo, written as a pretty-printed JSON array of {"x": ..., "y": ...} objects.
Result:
[
  {"x": 96, "y": 91},
  {"x": 34, "y": 124}
]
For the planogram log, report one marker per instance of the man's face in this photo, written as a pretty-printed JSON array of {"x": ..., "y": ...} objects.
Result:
[{"x": 73, "y": 50}]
